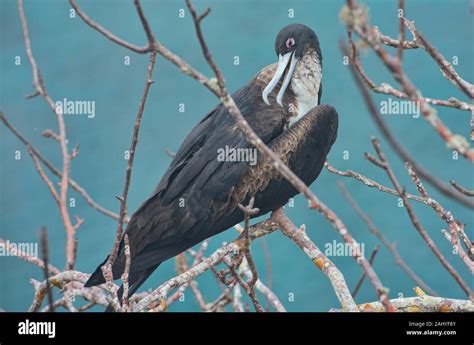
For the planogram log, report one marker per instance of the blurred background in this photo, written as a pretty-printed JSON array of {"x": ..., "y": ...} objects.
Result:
[{"x": 78, "y": 63}]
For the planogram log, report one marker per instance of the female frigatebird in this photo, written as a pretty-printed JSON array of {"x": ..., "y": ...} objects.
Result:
[{"x": 199, "y": 194}]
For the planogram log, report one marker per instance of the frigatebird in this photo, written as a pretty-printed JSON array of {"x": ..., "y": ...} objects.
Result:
[{"x": 198, "y": 196}]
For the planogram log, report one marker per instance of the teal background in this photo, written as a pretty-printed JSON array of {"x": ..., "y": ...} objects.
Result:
[{"x": 78, "y": 63}]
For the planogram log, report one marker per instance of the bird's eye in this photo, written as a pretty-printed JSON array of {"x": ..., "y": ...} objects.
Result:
[{"x": 290, "y": 42}]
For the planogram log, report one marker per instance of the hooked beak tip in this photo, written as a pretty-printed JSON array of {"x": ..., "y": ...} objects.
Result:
[{"x": 265, "y": 99}]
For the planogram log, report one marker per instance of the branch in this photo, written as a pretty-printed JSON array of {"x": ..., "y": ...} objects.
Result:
[
  {"x": 447, "y": 69},
  {"x": 250, "y": 211},
  {"x": 462, "y": 189},
  {"x": 59, "y": 280},
  {"x": 45, "y": 254},
  {"x": 362, "y": 277},
  {"x": 74, "y": 185},
  {"x": 271, "y": 297},
  {"x": 370, "y": 183},
  {"x": 128, "y": 173},
  {"x": 324, "y": 264},
  {"x": 234, "y": 248},
  {"x": 455, "y": 225},
  {"x": 106, "y": 33},
  {"x": 383, "y": 163},
  {"x": 359, "y": 23},
  {"x": 125, "y": 274},
  {"x": 421, "y": 304},
  {"x": 249, "y": 289},
  {"x": 398, "y": 148},
  {"x": 41, "y": 90},
  {"x": 387, "y": 89},
  {"x": 391, "y": 247}
]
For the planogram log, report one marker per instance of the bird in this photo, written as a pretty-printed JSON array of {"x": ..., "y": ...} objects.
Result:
[{"x": 199, "y": 195}]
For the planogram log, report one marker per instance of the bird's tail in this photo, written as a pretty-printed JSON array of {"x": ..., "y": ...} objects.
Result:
[
  {"x": 97, "y": 277},
  {"x": 135, "y": 280}
]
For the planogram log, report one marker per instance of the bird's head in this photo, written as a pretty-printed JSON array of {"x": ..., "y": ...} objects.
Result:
[{"x": 291, "y": 44}]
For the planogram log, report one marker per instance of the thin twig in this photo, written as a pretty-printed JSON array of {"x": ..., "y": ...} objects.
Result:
[
  {"x": 401, "y": 15},
  {"x": 455, "y": 226},
  {"x": 128, "y": 173},
  {"x": 415, "y": 221},
  {"x": 398, "y": 148},
  {"x": 41, "y": 90},
  {"x": 462, "y": 189},
  {"x": 106, "y": 33},
  {"x": 447, "y": 69},
  {"x": 74, "y": 185},
  {"x": 362, "y": 277},
  {"x": 45, "y": 255},
  {"x": 386, "y": 243},
  {"x": 363, "y": 29},
  {"x": 371, "y": 183}
]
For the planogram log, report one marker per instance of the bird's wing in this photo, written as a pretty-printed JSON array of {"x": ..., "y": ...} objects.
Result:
[{"x": 179, "y": 202}]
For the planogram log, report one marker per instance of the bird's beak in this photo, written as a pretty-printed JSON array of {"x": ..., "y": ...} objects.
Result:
[{"x": 282, "y": 63}]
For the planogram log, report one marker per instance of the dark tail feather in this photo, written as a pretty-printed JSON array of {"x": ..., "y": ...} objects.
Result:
[
  {"x": 135, "y": 280},
  {"x": 97, "y": 277}
]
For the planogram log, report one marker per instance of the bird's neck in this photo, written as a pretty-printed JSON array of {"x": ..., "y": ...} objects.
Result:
[{"x": 305, "y": 84}]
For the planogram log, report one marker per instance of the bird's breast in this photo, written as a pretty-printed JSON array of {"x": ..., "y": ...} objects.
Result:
[{"x": 305, "y": 84}]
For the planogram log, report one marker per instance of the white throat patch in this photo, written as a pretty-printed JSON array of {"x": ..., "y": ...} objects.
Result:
[{"x": 305, "y": 84}]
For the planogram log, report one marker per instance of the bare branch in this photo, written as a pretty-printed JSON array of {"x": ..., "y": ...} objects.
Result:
[
  {"x": 128, "y": 173},
  {"x": 74, "y": 185},
  {"x": 422, "y": 304},
  {"x": 361, "y": 26},
  {"x": 455, "y": 225},
  {"x": 424, "y": 234},
  {"x": 318, "y": 258},
  {"x": 398, "y": 148},
  {"x": 390, "y": 246},
  {"x": 401, "y": 15},
  {"x": 387, "y": 89},
  {"x": 362, "y": 277},
  {"x": 462, "y": 189},
  {"x": 45, "y": 254},
  {"x": 447, "y": 69},
  {"x": 106, "y": 33},
  {"x": 126, "y": 273},
  {"x": 41, "y": 90},
  {"x": 370, "y": 183}
]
